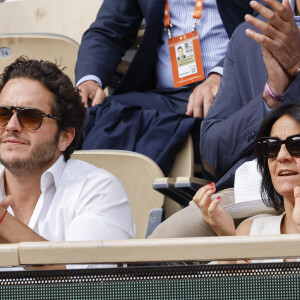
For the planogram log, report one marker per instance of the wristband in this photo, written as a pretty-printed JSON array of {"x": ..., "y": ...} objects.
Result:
[
  {"x": 271, "y": 93},
  {"x": 3, "y": 216}
]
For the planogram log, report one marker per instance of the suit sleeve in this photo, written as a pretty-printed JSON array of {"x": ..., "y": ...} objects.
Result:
[
  {"x": 107, "y": 39},
  {"x": 234, "y": 11},
  {"x": 229, "y": 131},
  {"x": 292, "y": 94}
]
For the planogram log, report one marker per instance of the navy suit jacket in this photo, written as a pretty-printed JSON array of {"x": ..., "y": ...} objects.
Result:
[
  {"x": 115, "y": 30},
  {"x": 228, "y": 133}
]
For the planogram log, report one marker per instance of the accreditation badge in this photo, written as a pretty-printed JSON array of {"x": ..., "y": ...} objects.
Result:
[{"x": 186, "y": 59}]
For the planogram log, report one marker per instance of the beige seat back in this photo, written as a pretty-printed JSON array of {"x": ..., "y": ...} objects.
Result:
[
  {"x": 184, "y": 161},
  {"x": 136, "y": 172},
  {"x": 66, "y": 17},
  {"x": 55, "y": 48},
  {"x": 183, "y": 166}
]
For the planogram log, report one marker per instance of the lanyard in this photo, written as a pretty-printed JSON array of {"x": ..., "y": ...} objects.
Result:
[{"x": 167, "y": 16}]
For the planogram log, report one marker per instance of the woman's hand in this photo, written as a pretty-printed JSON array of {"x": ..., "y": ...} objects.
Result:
[
  {"x": 296, "y": 210},
  {"x": 214, "y": 215}
]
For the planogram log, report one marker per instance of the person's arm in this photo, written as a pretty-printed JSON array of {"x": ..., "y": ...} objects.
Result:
[
  {"x": 189, "y": 222},
  {"x": 203, "y": 95},
  {"x": 280, "y": 41},
  {"x": 14, "y": 231},
  {"x": 102, "y": 212},
  {"x": 214, "y": 215},
  {"x": 296, "y": 210},
  {"x": 229, "y": 130},
  {"x": 106, "y": 41},
  {"x": 218, "y": 218},
  {"x": 280, "y": 33},
  {"x": 283, "y": 45}
]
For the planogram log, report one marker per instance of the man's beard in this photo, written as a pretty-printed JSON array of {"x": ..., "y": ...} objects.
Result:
[{"x": 39, "y": 157}]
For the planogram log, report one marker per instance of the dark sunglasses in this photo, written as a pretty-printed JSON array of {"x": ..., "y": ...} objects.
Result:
[
  {"x": 29, "y": 118},
  {"x": 270, "y": 146}
]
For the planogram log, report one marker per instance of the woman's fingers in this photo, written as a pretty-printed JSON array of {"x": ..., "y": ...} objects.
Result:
[
  {"x": 213, "y": 206},
  {"x": 296, "y": 211}
]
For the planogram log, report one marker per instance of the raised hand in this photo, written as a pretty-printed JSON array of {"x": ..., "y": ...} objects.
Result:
[
  {"x": 296, "y": 211},
  {"x": 214, "y": 215},
  {"x": 280, "y": 34},
  {"x": 278, "y": 79}
]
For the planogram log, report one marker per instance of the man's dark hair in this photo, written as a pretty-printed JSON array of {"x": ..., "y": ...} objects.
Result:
[
  {"x": 68, "y": 105},
  {"x": 269, "y": 195}
]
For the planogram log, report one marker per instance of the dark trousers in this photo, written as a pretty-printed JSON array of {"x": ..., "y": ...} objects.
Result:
[
  {"x": 153, "y": 123},
  {"x": 166, "y": 100}
]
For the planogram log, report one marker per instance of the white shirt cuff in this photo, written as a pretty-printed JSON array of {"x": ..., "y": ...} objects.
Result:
[
  {"x": 266, "y": 108},
  {"x": 218, "y": 70},
  {"x": 89, "y": 77}
]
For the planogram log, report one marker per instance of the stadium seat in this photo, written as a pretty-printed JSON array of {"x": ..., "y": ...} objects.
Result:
[
  {"x": 68, "y": 17},
  {"x": 52, "y": 47}
]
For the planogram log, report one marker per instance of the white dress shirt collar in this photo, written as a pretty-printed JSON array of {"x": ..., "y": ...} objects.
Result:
[{"x": 53, "y": 174}]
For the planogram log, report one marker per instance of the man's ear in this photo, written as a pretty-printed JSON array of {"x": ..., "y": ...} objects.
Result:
[{"x": 65, "y": 138}]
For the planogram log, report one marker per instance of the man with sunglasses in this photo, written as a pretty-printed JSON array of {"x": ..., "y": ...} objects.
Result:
[{"x": 45, "y": 195}]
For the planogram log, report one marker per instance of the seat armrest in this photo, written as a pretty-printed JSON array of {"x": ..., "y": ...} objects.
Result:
[
  {"x": 190, "y": 185},
  {"x": 166, "y": 186}
]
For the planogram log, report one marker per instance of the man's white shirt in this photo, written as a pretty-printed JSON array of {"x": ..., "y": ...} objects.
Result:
[{"x": 79, "y": 202}]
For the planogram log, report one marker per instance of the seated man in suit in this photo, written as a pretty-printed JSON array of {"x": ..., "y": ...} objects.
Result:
[
  {"x": 251, "y": 87},
  {"x": 229, "y": 131},
  {"x": 45, "y": 195},
  {"x": 155, "y": 80}
]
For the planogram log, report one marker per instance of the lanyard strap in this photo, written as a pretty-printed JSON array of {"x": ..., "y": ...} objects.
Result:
[
  {"x": 167, "y": 16},
  {"x": 198, "y": 9}
]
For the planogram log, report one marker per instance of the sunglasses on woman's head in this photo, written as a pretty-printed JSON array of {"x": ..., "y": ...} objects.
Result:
[
  {"x": 270, "y": 146},
  {"x": 29, "y": 118}
]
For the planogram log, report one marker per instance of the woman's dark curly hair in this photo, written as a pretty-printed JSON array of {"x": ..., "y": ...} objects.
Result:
[
  {"x": 269, "y": 194},
  {"x": 68, "y": 105}
]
